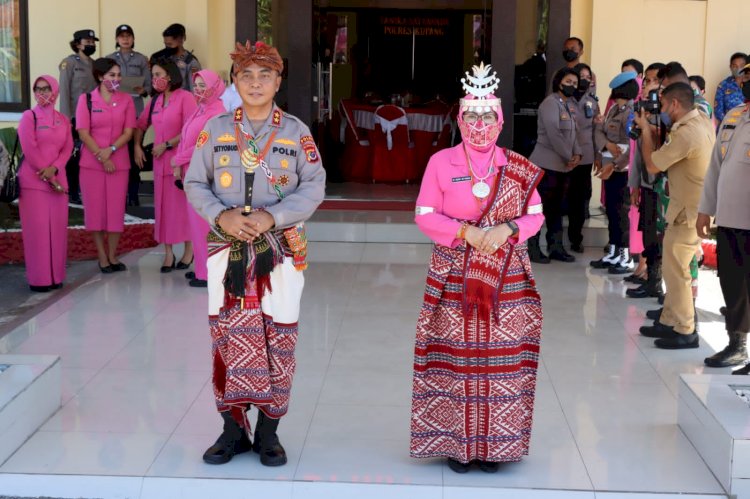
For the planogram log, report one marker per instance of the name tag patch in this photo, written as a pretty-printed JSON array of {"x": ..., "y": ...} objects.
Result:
[
  {"x": 461, "y": 179},
  {"x": 227, "y": 148}
]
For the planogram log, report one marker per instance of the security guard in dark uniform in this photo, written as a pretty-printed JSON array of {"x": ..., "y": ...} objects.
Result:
[
  {"x": 76, "y": 78},
  {"x": 174, "y": 38}
]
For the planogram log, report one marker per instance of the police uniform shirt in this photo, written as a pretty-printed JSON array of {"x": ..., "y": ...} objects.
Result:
[
  {"x": 76, "y": 78},
  {"x": 725, "y": 190},
  {"x": 134, "y": 64},
  {"x": 685, "y": 156},
  {"x": 189, "y": 65},
  {"x": 586, "y": 110},
  {"x": 216, "y": 178},
  {"x": 557, "y": 141},
  {"x": 614, "y": 129}
]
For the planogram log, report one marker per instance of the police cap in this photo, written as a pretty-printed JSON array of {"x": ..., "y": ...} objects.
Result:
[
  {"x": 622, "y": 78},
  {"x": 85, "y": 33},
  {"x": 124, "y": 28}
]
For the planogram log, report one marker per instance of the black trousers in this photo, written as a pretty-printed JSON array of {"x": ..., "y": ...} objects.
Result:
[
  {"x": 579, "y": 197},
  {"x": 733, "y": 258},
  {"x": 617, "y": 204},
  {"x": 134, "y": 175},
  {"x": 647, "y": 225},
  {"x": 72, "y": 169},
  {"x": 553, "y": 189}
]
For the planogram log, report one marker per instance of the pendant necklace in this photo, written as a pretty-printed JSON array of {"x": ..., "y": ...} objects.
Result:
[{"x": 481, "y": 189}]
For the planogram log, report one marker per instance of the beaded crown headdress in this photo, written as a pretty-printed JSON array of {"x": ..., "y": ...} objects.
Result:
[{"x": 479, "y": 86}]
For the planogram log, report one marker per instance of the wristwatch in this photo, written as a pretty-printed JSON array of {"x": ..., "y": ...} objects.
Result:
[
  {"x": 169, "y": 146},
  {"x": 513, "y": 227}
]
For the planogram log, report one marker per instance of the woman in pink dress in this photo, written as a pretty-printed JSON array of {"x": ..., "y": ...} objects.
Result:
[
  {"x": 46, "y": 141},
  {"x": 208, "y": 89},
  {"x": 172, "y": 108},
  {"x": 105, "y": 119},
  {"x": 479, "y": 329}
]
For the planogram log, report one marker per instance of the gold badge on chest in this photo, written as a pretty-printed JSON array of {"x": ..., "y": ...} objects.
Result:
[
  {"x": 225, "y": 180},
  {"x": 224, "y": 160}
]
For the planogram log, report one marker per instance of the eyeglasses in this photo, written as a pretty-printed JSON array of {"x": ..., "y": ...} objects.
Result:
[
  {"x": 487, "y": 118},
  {"x": 262, "y": 78},
  {"x": 43, "y": 90}
]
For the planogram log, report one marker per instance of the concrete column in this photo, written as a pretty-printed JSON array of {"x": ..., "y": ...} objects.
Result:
[
  {"x": 246, "y": 20},
  {"x": 503, "y": 48}
]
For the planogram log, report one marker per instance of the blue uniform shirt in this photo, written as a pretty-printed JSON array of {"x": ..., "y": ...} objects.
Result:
[{"x": 728, "y": 96}]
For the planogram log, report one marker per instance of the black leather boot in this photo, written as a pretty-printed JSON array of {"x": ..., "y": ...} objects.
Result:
[
  {"x": 652, "y": 288},
  {"x": 233, "y": 440},
  {"x": 535, "y": 252},
  {"x": 735, "y": 354},
  {"x": 745, "y": 370},
  {"x": 267, "y": 441}
]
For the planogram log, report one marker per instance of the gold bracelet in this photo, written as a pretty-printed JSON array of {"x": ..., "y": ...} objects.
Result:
[{"x": 462, "y": 231}]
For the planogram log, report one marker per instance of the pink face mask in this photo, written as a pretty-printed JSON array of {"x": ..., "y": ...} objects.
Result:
[
  {"x": 160, "y": 83},
  {"x": 44, "y": 99},
  {"x": 202, "y": 94},
  {"x": 478, "y": 135},
  {"x": 111, "y": 85}
]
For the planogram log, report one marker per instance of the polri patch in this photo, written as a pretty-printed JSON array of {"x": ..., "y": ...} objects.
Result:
[
  {"x": 461, "y": 179},
  {"x": 311, "y": 150},
  {"x": 202, "y": 139}
]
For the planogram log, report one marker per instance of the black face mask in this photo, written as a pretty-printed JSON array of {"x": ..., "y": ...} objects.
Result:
[
  {"x": 169, "y": 51},
  {"x": 570, "y": 55},
  {"x": 746, "y": 90},
  {"x": 89, "y": 50},
  {"x": 568, "y": 90},
  {"x": 583, "y": 85}
]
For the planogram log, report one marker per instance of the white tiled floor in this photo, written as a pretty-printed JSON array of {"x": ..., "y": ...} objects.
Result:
[{"x": 138, "y": 407}]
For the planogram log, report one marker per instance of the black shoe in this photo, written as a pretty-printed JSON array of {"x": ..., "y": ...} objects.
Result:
[
  {"x": 539, "y": 257},
  {"x": 678, "y": 341},
  {"x": 561, "y": 255},
  {"x": 735, "y": 353},
  {"x": 233, "y": 440},
  {"x": 458, "y": 466},
  {"x": 661, "y": 299},
  {"x": 267, "y": 442},
  {"x": 40, "y": 289},
  {"x": 658, "y": 330},
  {"x": 182, "y": 265},
  {"x": 106, "y": 270},
  {"x": 118, "y": 267},
  {"x": 644, "y": 291},
  {"x": 198, "y": 283},
  {"x": 654, "y": 315},
  {"x": 190, "y": 275},
  {"x": 635, "y": 279},
  {"x": 743, "y": 371},
  {"x": 488, "y": 466},
  {"x": 166, "y": 269},
  {"x": 535, "y": 252},
  {"x": 57, "y": 286},
  {"x": 578, "y": 248}
]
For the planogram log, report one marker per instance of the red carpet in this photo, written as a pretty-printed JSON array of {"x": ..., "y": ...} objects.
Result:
[
  {"x": 80, "y": 245},
  {"x": 348, "y": 204}
]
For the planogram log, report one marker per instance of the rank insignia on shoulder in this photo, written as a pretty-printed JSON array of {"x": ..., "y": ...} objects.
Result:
[
  {"x": 227, "y": 138},
  {"x": 225, "y": 180},
  {"x": 238, "y": 115},
  {"x": 224, "y": 160},
  {"x": 63, "y": 65},
  {"x": 202, "y": 139},
  {"x": 276, "y": 119}
]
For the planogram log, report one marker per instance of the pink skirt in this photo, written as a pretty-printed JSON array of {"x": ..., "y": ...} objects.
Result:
[
  {"x": 171, "y": 211},
  {"x": 104, "y": 199},
  {"x": 636, "y": 236},
  {"x": 44, "y": 225}
]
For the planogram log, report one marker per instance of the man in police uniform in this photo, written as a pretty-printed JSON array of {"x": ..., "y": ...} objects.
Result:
[
  {"x": 174, "y": 40},
  {"x": 255, "y": 176},
  {"x": 684, "y": 156},
  {"x": 725, "y": 196},
  {"x": 76, "y": 78}
]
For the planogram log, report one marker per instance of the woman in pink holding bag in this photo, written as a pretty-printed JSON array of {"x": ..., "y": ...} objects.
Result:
[
  {"x": 105, "y": 119},
  {"x": 44, "y": 135},
  {"x": 172, "y": 108},
  {"x": 208, "y": 89}
]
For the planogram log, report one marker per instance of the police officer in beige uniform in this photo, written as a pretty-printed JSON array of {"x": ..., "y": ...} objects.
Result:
[
  {"x": 76, "y": 78},
  {"x": 725, "y": 196},
  {"x": 684, "y": 157},
  {"x": 255, "y": 176}
]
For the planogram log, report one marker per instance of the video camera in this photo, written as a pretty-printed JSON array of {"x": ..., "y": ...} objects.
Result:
[{"x": 651, "y": 105}]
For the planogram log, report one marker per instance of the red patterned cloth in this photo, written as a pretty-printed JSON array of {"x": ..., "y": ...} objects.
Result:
[{"x": 477, "y": 343}]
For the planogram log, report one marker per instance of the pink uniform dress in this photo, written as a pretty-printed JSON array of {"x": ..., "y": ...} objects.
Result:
[
  {"x": 448, "y": 177},
  {"x": 170, "y": 204},
  {"x": 104, "y": 193},
  {"x": 45, "y": 141},
  {"x": 210, "y": 107}
]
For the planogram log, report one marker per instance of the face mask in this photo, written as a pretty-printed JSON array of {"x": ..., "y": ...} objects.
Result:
[
  {"x": 570, "y": 55},
  {"x": 169, "y": 51},
  {"x": 736, "y": 72},
  {"x": 479, "y": 135},
  {"x": 746, "y": 90},
  {"x": 160, "y": 84},
  {"x": 111, "y": 85},
  {"x": 202, "y": 95},
  {"x": 568, "y": 90},
  {"x": 45, "y": 99},
  {"x": 89, "y": 50},
  {"x": 583, "y": 85}
]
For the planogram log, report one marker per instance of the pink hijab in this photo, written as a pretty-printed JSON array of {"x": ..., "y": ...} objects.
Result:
[
  {"x": 48, "y": 110},
  {"x": 214, "y": 87}
]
